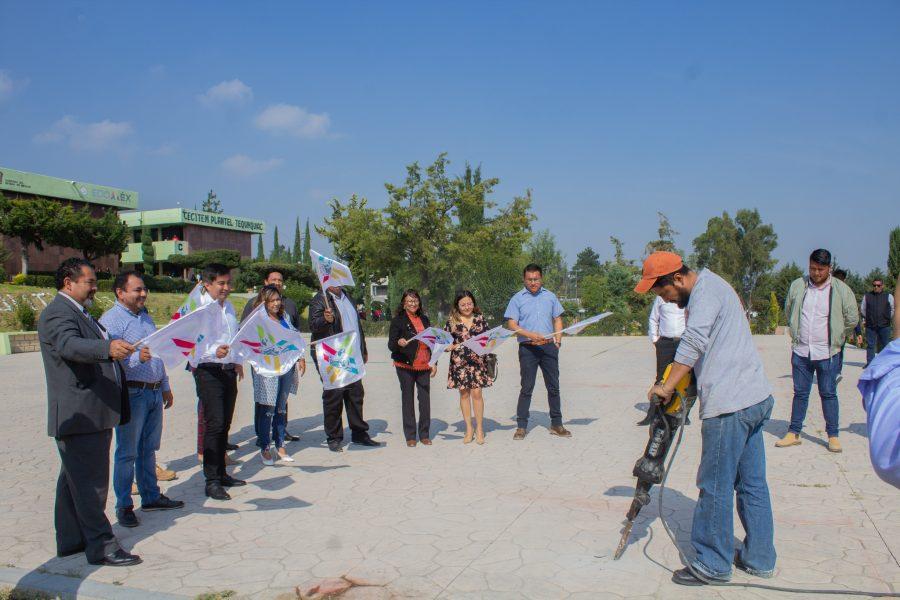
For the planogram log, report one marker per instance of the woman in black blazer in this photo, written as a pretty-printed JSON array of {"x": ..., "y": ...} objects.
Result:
[{"x": 411, "y": 361}]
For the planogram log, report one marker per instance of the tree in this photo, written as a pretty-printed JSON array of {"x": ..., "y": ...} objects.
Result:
[
  {"x": 198, "y": 260},
  {"x": 542, "y": 251},
  {"x": 92, "y": 236},
  {"x": 893, "y": 262},
  {"x": 307, "y": 246},
  {"x": 211, "y": 204},
  {"x": 279, "y": 253},
  {"x": 148, "y": 252},
  {"x": 297, "y": 253},
  {"x": 774, "y": 312},
  {"x": 618, "y": 250},
  {"x": 739, "y": 250},
  {"x": 32, "y": 221},
  {"x": 665, "y": 241},
  {"x": 260, "y": 250}
]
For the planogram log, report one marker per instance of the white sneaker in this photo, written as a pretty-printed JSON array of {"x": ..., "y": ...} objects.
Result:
[
  {"x": 266, "y": 461},
  {"x": 285, "y": 457}
]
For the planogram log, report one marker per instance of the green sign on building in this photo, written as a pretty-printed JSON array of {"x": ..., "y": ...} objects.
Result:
[
  {"x": 53, "y": 187},
  {"x": 184, "y": 216}
]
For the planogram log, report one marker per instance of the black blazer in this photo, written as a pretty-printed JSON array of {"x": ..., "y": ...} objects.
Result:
[
  {"x": 320, "y": 328},
  {"x": 84, "y": 394},
  {"x": 402, "y": 327}
]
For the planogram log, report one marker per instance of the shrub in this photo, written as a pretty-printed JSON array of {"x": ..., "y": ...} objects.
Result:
[
  {"x": 104, "y": 285},
  {"x": 24, "y": 314},
  {"x": 19, "y": 279},
  {"x": 301, "y": 294},
  {"x": 165, "y": 284},
  {"x": 41, "y": 280}
]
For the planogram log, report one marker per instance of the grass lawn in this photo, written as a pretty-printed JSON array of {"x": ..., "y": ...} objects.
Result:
[{"x": 160, "y": 305}]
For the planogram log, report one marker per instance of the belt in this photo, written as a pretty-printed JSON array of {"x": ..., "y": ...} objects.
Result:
[
  {"x": 674, "y": 339},
  {"x": 143, "y": 385}
]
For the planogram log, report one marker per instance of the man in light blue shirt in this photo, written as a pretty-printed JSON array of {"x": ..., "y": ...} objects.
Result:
[
  {"x": 148, "y": 392},
  {"x": 535, "y": 314}
]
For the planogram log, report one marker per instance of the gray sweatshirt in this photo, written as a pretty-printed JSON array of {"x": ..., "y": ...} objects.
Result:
[{"x": 717, "y": 343}]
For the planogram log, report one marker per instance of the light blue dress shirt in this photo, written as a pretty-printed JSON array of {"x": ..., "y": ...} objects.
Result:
[
  {"x": 534, "y": 312},
  {"x": 880, "y": 387}
]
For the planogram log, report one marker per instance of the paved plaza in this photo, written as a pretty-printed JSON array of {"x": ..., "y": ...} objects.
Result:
[{"x": 538, "y": 518}]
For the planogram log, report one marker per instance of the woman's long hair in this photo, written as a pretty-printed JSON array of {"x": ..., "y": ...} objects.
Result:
[
  {"x": 409, "y": 292},
  {"x": 455, "y": 317},
  {"x": 269, "y": 292}
]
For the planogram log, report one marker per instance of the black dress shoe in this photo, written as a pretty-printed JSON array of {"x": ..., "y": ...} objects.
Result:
[
  {"x": 686, "y": 576},
  {"x": 163, "y": 503},
  {"x": 126, "y": 517},
  {"x": 216, "y": 492},
  {"x": 367, "y": 442},
  {"x": 229, "y": 481},
  {"x": 335, "y": 447},
  {"x": 229, "y": 446},
  {"x": 291, "y": 438},
  {"x": 119, "y": 558},
  {"x": 72, "y": 552}
]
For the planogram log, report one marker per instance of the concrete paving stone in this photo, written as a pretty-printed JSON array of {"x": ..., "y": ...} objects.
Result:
[{"x": 538, "y": 518}]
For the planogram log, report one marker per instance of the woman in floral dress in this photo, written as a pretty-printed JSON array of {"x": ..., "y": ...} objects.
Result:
[{"x": 467, "y": 371}]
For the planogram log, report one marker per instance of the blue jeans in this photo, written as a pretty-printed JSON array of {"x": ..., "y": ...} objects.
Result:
[
  {"x": 733, "y": 460},
  {"x": 802, "y": 369},
  {"x": 545, "y": 356},
  {"x": 876, "y": 339},
  {"x": 270, "y": 422},
  {"x": 136, "y": 444}
]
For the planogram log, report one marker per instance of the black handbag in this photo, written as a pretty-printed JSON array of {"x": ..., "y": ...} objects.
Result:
[{"x": 490, "y": 363}]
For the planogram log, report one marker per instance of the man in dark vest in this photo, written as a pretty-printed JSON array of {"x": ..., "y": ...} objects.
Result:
[{"x": 877, "y": 308}]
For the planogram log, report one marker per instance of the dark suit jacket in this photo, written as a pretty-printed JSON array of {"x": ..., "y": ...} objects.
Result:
[
  {"x": 320, "y": 328},
  {"x": 402, "y": 327},
  {"x": 290, "y": 311},
  {"x": 83, "y": 392}
]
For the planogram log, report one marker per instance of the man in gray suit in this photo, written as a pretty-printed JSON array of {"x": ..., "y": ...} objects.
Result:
[{"x": 86, "y": 399}]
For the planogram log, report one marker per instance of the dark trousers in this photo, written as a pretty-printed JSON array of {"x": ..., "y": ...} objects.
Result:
[
  {"x": 217, "y": 390},
  {"x": 81, "y": 492},
  {"x": 410, "y": 381},
  {"x": 545, "y": 356},
  {"x": 876, "y": 339},
  {"x": 333, "y": 401}
]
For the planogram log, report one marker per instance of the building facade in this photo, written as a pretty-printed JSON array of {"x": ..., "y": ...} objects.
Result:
[
  {"x": 78, "y": 194},
  {"x": 183, "y": 231}
]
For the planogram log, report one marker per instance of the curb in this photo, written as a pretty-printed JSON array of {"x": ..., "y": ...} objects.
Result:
[{"x": 70, "y": 587}]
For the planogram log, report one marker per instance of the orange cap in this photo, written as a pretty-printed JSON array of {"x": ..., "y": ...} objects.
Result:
[{"x": 657, "y": 265}]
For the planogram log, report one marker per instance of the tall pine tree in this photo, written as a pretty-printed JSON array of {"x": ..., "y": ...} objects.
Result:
[
  {"x": 297, "y": 255},
  {"x": 260, "y": 251},
  {"x": 276, "y": 248},
  {"x": 306, "y": 246}
]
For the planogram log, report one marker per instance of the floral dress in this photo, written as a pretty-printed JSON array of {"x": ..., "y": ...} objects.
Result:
[{"x": 467, "y": 370}]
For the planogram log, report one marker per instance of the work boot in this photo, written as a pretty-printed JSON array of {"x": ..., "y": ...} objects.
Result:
[
  {"x": 520, "y": 434},
  {"x": 165, "y": 474},
  {"x": 834, "y": 445},
  {"x": 789, "y": 439},
  {"x": 560, "y": 431}
]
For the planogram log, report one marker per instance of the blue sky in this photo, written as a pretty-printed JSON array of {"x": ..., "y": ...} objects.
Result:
[{"x": 609, "y": 112}]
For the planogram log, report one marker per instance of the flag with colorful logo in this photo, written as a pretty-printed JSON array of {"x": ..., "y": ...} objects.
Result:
[
  {"x": 183, "y": 338},
  {"x": 436, "y": 339},
  {"x": 339, "y": 360},
  {"x": 272, "y": 347},
  {"x": 487, "y": 342},
  {"x": 197, "y": 298},
  {"x": 330, "y": 271}
]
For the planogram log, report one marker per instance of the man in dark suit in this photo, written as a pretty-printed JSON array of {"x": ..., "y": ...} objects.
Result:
[
  {"x": 275, "y": 278},
  {"x": 327, "y": 317},
  {"x": 86, "y": 399}
]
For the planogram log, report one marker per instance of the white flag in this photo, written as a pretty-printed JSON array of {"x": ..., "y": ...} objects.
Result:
[
  {"x": 197, "y": 298},
  {"x": 330, "y": 271},
  {"x": 437, "y": 340},
  {"x": 181, "y": 339},
  {"x": 340, "y": 360},
  {"x": 270, "y": 346},
  {"x": 487, "y": 342},
  {"x": 578, "y": 327}
]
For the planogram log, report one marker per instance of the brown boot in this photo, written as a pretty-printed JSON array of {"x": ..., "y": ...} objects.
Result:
[
  {"x": 165, "y": 474},
  {"x": 789, "y": 439},
  {"x": 560, "y": 431},
  {"x": 520, "y": 434},
  {"x": 834, "y": 445}
]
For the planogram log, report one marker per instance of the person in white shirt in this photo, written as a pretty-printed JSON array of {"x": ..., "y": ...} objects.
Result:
[
  {"x": 216, "y": 379},
  {"x": 664, "y": 328}
]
